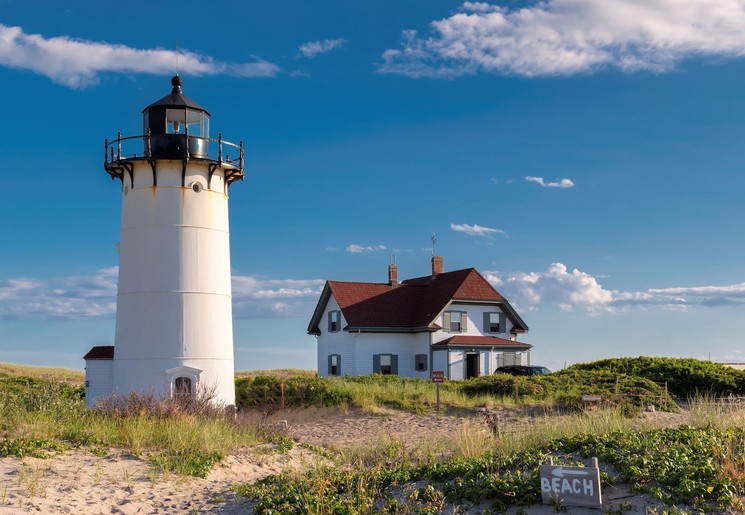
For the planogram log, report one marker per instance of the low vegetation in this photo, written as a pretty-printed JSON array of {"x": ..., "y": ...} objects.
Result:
[
  {"x": 700, "y": 465},
  {"x": 701, "y": 468},
  {"x": 685, "y": 377},
  {"x": 76, "y": 377},
  {"x": 564, "y": 390},
  {"x": 40, "y": 417}
]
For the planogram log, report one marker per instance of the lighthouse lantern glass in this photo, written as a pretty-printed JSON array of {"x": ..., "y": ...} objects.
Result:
[{"x": 177, "y": 120}]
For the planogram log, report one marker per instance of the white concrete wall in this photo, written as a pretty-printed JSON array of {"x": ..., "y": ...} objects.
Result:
[
  {"x": 97, "y": 380},
  {"x": 174, "y": 300}
]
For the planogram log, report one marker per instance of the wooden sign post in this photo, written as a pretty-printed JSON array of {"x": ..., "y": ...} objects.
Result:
[{"x": 438, "y": 376}]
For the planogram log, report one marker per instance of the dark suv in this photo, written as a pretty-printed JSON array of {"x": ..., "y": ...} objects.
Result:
[{"x": 523, "y": 370}]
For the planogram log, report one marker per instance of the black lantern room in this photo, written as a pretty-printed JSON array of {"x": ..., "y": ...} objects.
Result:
[
  {"x": 176, "y": 124},
  {"x": 174, "y": 127}
]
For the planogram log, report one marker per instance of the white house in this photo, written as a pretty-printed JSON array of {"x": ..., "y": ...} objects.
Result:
[{"x": 450, "y": 321}]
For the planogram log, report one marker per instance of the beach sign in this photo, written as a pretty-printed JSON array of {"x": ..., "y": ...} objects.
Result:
[{"x": 572, "y": 486}]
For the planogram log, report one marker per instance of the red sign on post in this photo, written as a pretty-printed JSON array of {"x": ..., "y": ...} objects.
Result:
[{"x": 438, "y": 376}]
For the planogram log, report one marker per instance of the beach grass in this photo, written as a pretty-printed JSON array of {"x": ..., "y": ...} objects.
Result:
[{"x": 57, "y": 374}]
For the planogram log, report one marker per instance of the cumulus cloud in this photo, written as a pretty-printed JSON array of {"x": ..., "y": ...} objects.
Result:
[
  {"x": 359, "y": 249},
  {"x": 476, "y": 230},
  {"x": 567, "y": 37},
  {"x": 574, "y": 289},
  {"x": 77, "y": 63},
  {"x": 261, "y": 297},
  {"x": 313, "y": 48},
  {"x": 561, "y": 183},
  {"x": 257, "y": 297}
]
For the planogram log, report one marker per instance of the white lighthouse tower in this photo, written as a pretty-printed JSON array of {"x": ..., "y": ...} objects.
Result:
[{"x": 174, "y": 330}]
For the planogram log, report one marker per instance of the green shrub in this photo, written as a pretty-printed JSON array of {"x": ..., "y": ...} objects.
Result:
[
  {"x": 567, "y": 387},
  {"x": 685, "y": 377},
  {"x": 267, "y": 391}
]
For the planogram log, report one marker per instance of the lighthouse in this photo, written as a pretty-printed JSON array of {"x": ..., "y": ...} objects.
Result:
[{"x": 174, "y": 333}]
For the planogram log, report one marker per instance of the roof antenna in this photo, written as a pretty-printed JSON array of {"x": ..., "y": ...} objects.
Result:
[
  {"x": 434, "y": 241},
  {"x": 393, "y": 258}
]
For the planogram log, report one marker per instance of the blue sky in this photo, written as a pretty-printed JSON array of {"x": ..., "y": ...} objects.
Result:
[{"x": 587, "y": 157}]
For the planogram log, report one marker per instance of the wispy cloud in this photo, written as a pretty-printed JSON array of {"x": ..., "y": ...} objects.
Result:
[
  {"x": 560, "y": 183},
  {"x": 476, "y": 230},
  {"x": 73, "y": 297},
  {"x": 95, "y": 295},
  {"x": 574, "y": 289},
  {"x": 77, "y": 63},
  {"x": 567, "y": 37},
  {"x": 313, "y": 48},
  {"x": 359, "y": 249}
]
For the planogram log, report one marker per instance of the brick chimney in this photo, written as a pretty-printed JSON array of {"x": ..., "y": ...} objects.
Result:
[
  {"x": 436, "y": 265},
  {"x": 393, "y": 274}
]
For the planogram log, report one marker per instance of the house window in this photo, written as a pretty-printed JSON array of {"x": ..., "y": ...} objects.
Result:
[
  {"x": 334, "y": 365},
  {"x": 494, "y": 323},
  {"x": 421, "y": 362},
  {"x": 385, "y": 364},
  {"x": 454, "y": 321},
  {"x": 334, "y": 321}
]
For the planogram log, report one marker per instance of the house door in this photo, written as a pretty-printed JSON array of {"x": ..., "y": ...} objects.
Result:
[{"x": 472, "y": 365}]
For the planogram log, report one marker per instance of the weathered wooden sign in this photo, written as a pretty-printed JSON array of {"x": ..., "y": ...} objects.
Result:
[{"x": 573, "y": 486}]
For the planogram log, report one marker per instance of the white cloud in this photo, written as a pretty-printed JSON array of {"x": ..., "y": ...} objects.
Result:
[
  {"x": 567, "y": 37},
  {"x": 579, "y": 290},
  {"x": 359, "y": 249},
  {"x": 561, "y": 183},
  {"x": 76, "y": 296},
  {"x": 95, "y": 295},
  {"x": 476, "y": 230},
  {"x": 77, "y": 63},
  {"x": 313, "y": 48},
  {"x": 480, "y": 7},
  {"x": 260, "y": 297},
  {"x": 257, "y": 297}
]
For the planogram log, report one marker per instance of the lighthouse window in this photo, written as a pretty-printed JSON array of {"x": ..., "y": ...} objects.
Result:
[
  {"x": 197, "y": 187},
  {"x": 182, "y": 387}
]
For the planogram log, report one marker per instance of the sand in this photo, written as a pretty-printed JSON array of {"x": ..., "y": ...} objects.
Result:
[{"x": 78, "y": 482}]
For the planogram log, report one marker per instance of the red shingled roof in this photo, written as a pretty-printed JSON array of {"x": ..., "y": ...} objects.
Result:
[
  {"x": 481, "y": 341},
  {"x": 100, "y": 352},
  {"x": 412, "y": 305}
]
